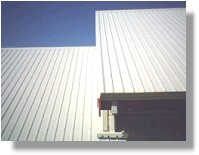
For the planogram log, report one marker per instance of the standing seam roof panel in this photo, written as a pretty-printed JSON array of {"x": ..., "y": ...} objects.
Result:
[
  {"x": 41, "y": 87},
  {"x": 155, "y": 39},
  {"x": 51, "y": 93}
]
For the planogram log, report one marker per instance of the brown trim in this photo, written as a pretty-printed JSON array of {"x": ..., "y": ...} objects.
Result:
[
  {"x": 143, "y": 96},
  {"x": 144, "y": 101}
]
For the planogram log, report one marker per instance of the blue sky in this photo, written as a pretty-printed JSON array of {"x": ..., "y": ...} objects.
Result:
[{"x": 34, "y": 24}]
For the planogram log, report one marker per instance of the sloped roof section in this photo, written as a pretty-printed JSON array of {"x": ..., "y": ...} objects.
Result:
[
  {"x": 49, "y": 94},
  {"x": 142, "y": 50}
]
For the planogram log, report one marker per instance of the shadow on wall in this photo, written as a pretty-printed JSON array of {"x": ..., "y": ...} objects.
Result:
[
  {"x": 154, "y": 125},
  {"x": 188, "y": 144}
]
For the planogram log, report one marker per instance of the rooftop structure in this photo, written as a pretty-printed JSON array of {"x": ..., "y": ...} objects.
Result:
[{"x": 137, "y": 67}]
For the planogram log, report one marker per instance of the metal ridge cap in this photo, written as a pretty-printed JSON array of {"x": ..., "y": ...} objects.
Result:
[
  {"x": 146, "y": 9},
  {"x": 53, "y": 47}
]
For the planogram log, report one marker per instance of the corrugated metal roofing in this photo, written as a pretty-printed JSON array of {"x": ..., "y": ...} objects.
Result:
[
  {"x": 142, "y": 50},
  {"x": 51, "y": 93}
]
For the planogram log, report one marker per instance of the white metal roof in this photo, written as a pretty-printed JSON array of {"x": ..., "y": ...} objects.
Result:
[
  {"x": 50, "y": 93},
  {"x": 142, "y": 50}
]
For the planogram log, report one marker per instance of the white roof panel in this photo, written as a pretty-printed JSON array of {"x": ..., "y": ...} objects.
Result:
[
  {"x": 142, "y": 50},
  {"x": 50, "y": 93}
]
